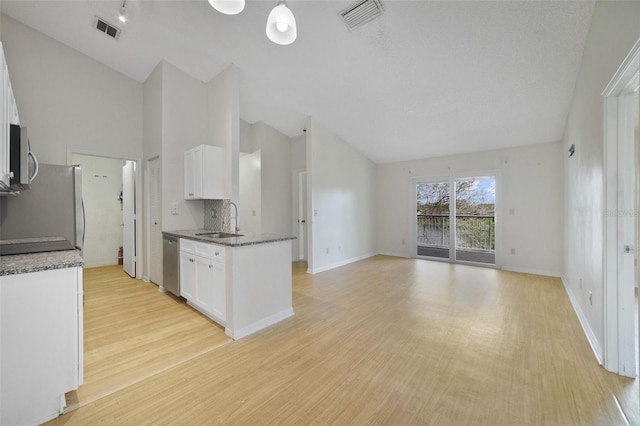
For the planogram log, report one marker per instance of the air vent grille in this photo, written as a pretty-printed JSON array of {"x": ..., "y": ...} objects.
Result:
[
  {"x": 107, "y": 28},
  {"x": 361, "y": 13}
]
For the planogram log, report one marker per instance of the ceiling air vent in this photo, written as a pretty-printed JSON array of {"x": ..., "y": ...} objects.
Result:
[
  {"x": 107, "y": 28},
  {"x": 361, "y": 12}
]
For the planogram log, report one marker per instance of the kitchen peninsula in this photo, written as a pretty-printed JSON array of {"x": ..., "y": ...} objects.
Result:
[{"x": 244, "y": 283}]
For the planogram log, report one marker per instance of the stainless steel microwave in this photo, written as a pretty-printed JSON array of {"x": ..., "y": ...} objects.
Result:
[{"x": 23, "y": 165}]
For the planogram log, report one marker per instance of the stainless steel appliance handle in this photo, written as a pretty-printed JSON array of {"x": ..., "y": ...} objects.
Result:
[{"x": 35, "y": 166}]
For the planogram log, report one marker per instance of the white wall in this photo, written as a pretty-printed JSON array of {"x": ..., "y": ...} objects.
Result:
[
  {"x": 101, "y": 186},
  {"x": 274, "y": 158},
  {"x": 68, "y": 100},
  {"x": 530, "y": 181},
  {"x": 299, "y": 152},
  {"x": 184, "y": 126},
  {"x": 614, "y": 30},
  {"x": 275, "y": 149},
  {"x": 250, "y": 194},
  {"x": 223, "y": 119},
  {"x": 341, "y": 183}
]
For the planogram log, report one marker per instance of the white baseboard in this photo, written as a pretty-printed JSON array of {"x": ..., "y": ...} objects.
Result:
[
  {"x": 394, "y": 254},
  {"x": 532, "y": 271},
  {"x": 99, "y": 264},
  {"x": 588, "y": 331},
  {"x": 340, "y": 263},
  {"x": 257, "y": 326}
]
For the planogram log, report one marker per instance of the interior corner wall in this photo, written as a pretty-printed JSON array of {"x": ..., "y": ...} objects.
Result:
[
  {"x": 184, "y": 126},
  {"x": 299, "y": 152},
  {"x": 614, "y": 30},
  {"x": 223, "y": 118},
  {"x": 530, "y": 186},
  {"x": 275, "y": 160},
  {"x": 70, "y": 101},
  {"x": 341, "y": 183}
]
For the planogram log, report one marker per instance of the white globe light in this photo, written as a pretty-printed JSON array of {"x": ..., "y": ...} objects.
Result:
[
  {"x": 228, "y": 7},
  {"x": 281, "y": 25}
]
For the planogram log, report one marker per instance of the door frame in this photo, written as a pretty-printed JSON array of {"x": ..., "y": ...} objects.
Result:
[
  {"x": 451, "y": 178},
  {"x": 147, "y": 214},
  {"x": 619, "y": 355},
  {"x": 129, "y": 260},
  {"x": 138, "y": 188},
  {"x": 295, "y": 211}
]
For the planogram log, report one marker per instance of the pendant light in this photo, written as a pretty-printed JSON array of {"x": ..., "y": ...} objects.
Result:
[
  {"x": 228, "y": 7},
  {"x": 281, "y": 25}
]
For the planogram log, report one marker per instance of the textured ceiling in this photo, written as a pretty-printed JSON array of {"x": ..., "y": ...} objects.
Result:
[{"x": 425, "y": 79}]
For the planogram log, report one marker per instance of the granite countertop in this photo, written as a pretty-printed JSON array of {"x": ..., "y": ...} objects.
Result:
[
  {"x": 245, "y": 240},
  {"x": 36, "y": 262}
]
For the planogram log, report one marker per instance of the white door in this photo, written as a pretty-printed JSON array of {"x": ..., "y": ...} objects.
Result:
[
  {"x": 627, "y": 152},
  {"x": 155, "y": 222},
  {"x": 621, "y": 198},
  {"x": 302, "y": 216},
  {"x": 129, "y": 218}
]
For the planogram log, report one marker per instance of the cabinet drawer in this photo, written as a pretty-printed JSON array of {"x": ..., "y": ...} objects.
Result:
[
  {"x": 209, "y": 251},
  {"x": 218, "y": 253},
  {"x": 187, "y": 245}
]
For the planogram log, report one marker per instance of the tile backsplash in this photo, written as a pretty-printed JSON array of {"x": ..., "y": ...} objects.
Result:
[{"x": 217, "y": 215}]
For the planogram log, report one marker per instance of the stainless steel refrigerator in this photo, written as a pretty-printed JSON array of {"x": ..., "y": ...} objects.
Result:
[{"x": 51, "y": 208}]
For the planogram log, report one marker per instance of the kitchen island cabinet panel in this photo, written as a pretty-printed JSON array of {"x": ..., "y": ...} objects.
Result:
[
  {"x": 202, "y": 278},
  {"x": 41, "y": 343}
]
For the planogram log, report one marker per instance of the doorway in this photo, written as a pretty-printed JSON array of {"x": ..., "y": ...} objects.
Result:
[
  {"x": 109, "y": 219},
  {"x": 299, "y": 205},
  {"x": 455, "y": 219}
]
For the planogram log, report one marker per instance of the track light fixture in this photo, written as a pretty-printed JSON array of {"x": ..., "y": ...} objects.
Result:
[
  {"x": 123, "y": 16},
  {"x": 228, "y": 7},
  {"x": 281, "y": 24}
]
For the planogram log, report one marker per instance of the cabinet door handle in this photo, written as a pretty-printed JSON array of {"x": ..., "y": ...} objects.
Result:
[
  {"x": 191, "y": 193},
  {"x": 210, "y": 266}
]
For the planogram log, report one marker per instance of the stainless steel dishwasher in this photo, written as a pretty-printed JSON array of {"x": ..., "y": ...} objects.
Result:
[{"x": 171, "y": 264}]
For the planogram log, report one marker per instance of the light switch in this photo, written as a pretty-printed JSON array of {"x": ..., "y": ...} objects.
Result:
[{"x": 174, "y": 209}]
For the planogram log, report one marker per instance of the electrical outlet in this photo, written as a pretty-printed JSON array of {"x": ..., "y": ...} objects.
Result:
[
  {"x": 591, "y": 298},
  {"x": 403, "y": 242},
  {"x": 339, "y": 248},
  {"x": 253, "y": 212},
  {"x": 315, "y": 212},
  {"x": 174, "y": 209},
  {"x": 512, "y": 212},
  {"x": 580, "y": 282},
  {"x": 513, "y": 251},
  {"x": 327, "y": 250}
]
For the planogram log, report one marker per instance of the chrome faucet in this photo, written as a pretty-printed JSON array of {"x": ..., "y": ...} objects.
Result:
[{"x": 237, "y": 229}]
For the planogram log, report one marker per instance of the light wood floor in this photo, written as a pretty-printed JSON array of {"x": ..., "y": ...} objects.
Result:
[
  {"x": 389, "y": 341},
  {"x": 133, "y": 332}
]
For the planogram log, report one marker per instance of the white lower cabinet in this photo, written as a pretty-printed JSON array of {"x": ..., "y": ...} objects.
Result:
[
  {"x": 202, "y": 278},
  {"x": 41, "y": 344}
]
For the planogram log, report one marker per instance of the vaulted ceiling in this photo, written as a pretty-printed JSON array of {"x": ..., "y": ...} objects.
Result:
[{"x": 426, "y": 79}]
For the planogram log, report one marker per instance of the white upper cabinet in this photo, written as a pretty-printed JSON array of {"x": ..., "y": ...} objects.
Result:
[
  {"x": 8, "y": 115},
  {"x": 204, "y": 171}
]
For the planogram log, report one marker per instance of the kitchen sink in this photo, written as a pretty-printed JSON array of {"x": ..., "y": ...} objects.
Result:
[{"x": 218, "y": 234}]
